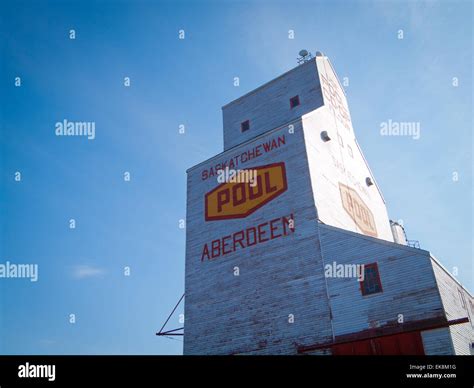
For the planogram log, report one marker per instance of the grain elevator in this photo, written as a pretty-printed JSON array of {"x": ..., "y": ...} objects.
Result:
[{"x": 289, "y": 247}]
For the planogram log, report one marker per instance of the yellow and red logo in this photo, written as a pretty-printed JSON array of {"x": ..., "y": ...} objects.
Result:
[
  {"x": 358, "y": 210},
  {"x": 238, "y": 200}
]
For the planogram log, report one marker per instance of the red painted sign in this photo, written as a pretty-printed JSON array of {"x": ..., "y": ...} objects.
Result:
[
  {"x": 239, "y": 199},
  {"x": 251, "y": 236},
  {"x": 358, "y": 210}
]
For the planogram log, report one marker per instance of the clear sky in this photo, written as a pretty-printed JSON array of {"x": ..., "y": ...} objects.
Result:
[{"x": 173, "y": 82}]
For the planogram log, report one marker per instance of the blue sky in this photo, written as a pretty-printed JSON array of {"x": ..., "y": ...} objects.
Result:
[{"x": 186, "y": 82}]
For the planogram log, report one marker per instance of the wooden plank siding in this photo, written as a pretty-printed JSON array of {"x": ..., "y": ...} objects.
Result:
[
  {"x": 249, "y": 313},
  {"x": 281, "y": 301},
  {"x": 340, "y": 161},
  {"x": 451, "y": 290},
  {"x": 438, "y": 342},
  {"x": 409, "y": 287},
  {"x": 268, "y": 106}
]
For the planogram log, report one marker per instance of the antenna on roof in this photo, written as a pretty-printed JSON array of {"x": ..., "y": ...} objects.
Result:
[{"x": 304, "y": 56}]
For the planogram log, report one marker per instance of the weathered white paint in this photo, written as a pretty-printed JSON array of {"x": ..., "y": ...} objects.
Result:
[
  {"x": 268, "y": 106},
  {"x": 339, "y": 160},
  {"x": 408, "y": 284},
  {"x": 451, "y": 290},
  {"x": 248, "y": 313}
]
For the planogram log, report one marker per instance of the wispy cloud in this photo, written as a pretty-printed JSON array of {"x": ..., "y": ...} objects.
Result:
[{"x": 87, "y": 271}]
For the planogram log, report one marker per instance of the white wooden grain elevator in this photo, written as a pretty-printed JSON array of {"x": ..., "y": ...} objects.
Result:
[{"x": 302, "y": 258}]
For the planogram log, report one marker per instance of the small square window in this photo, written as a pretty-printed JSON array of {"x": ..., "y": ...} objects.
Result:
[
  {"x": 371, "y": 283},
  {"x": 245, "y": 126},
  {"x": 294, "y": 101}
]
